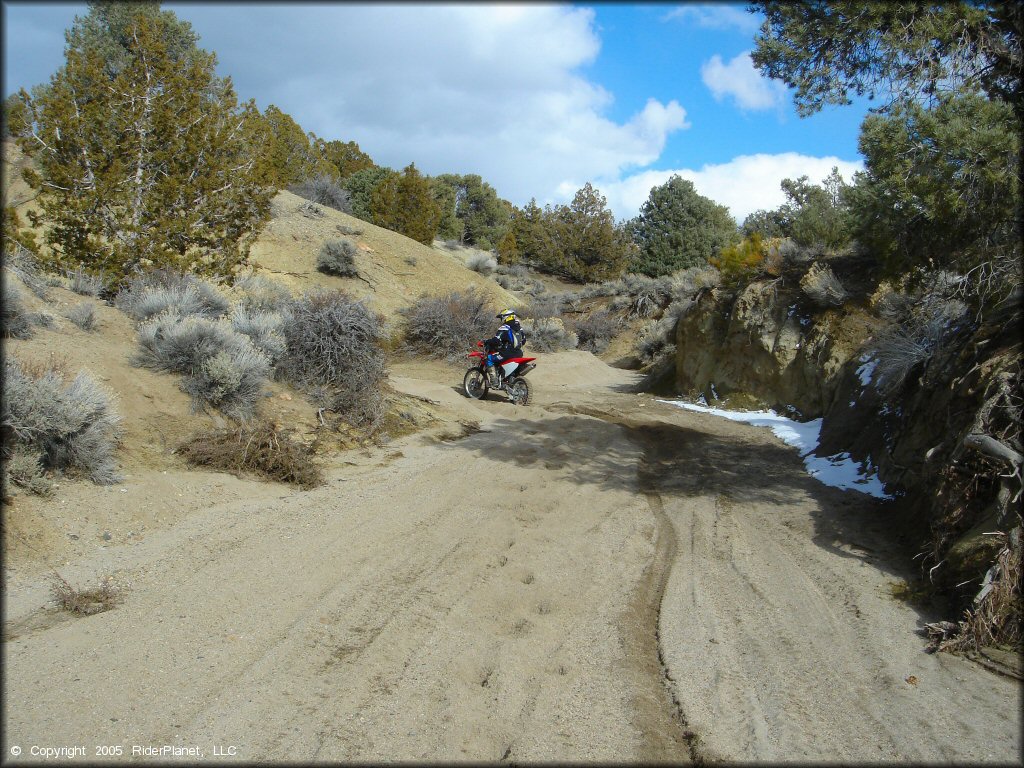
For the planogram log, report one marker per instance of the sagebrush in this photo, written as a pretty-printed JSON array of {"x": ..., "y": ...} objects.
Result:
[
  {"x": 222, "y": 368},
  {"x": 444, "y": 326},
  {"x": 596, "y": 331},
  {"x": 71, "y": 425},
  {"x": 83, "y": 315},
  {"x": 325, "y": 191},
  {"x": 338, "y": 257},
  {"x": 334, "y": 353},
  {"x": 150, "y": 293}
]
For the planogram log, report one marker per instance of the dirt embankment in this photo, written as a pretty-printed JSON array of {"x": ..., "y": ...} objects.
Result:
[{"x": 596, "y": 577}]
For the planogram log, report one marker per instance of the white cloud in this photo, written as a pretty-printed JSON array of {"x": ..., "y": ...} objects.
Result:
[
  {"x": 717, "y": 16},
  {"x": 744, "y": 184},
  {"x": 741, "y": 80},
  {"x": 487, "y": 89}
]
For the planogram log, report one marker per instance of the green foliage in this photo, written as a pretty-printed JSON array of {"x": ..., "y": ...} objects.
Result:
[
  {"x": 345, "y": 157},
  {"x": 287, "y": 156},
  {"x": 530, "y": 238},
  {"x": 141, "y": 160},
  {"x": 13, "y": 235},
  {"x": 827, "y": 50},
  {"x": 17, "y": 120},
  {"x": 403, "y": 203},
  {"x": 579, "y": 242},
  {"x": 941, "y": 186},
  {"x": 739, "y": 262},
  {"x": 679, "y": 228},
  {"x": 766, "y": 223},
  {"x": 360, "y": 186},
  {"x": 471, "y": 210},
  {"x": 816, "y": 214},
  {"x": 592, "y": 247}
]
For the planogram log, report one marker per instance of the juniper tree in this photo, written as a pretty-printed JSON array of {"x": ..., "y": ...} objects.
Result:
[
  {"x": 287, "y": 154},
  {"x": 141, "y": 150},
  {"x": 360, "y": 186},
  {"x": 346, "y": 158},
  {"x": 403, "y": 203}
]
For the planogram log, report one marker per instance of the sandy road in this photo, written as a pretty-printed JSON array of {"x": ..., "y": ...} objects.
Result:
[{"x": 596, "y": 577}]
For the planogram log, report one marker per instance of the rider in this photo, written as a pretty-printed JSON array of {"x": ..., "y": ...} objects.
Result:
[{"x": 506, "y": 343}]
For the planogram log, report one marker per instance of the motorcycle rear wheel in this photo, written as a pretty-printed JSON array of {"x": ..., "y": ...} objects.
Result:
[
  {"x": 519, "y": 392},
  {"x": 475, "y": 384}
]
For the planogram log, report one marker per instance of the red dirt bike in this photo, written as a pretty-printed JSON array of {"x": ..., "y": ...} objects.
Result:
[{"x": 490, "y": 373}]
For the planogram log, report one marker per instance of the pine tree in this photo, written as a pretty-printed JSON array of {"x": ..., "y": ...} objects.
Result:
[
  {"x": 592, "y": 248},
  {"x": 142, "y": 154},
  {"x": 679, "y": 228}
]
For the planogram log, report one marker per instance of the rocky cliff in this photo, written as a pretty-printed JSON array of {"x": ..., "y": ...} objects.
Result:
[{"x": 912, "y": 381}]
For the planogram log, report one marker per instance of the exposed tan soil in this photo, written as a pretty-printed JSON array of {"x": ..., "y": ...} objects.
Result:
[{"x": 596, "y": 576}]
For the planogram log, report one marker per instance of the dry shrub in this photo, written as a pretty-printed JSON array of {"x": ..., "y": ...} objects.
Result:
[
  {"x": 338, "y": 257},
  {"x": 151, "y": 293},
  {"x": 24, "y": 468},
  {"x": 548, "y": 332},
  {"x": 444, "y": 326},
  {"x": 85, "y": 602},
  {"x": 260, "y": 448},
  {"x": 85, "y": 284},
  {"x": 83, "y": 315},
  {"x": 334, "y": 353},
  {"x": 71, "y": 424},
  {"x": 998, "y": 611},
  {"x": 264, "y": 330},
  {"x": 222, "y": 368},
  {"x": 482, "y": 262},
  {"x": 20, "y": 261},
  {"x": 325, "y": 191},
  {"x": 596, "y": 331},
  {"x": 913, "y": 339},
  {"x": 822, "y": 286},
  {"x": 15, "y": 319},
  {"x": 260, "y": 294}
]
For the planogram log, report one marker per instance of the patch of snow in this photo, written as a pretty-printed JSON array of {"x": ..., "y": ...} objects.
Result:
[
  {"x": 838, "y": 471},
  {"x": 865, "y": 372},
  {"x": 714, "y": 394}
]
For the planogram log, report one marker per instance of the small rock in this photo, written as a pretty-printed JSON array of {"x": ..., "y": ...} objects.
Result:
[{"x": 107, "y": 536}]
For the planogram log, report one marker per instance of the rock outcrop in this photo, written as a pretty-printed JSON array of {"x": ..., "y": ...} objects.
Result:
[{"x": 945, "y": 436}]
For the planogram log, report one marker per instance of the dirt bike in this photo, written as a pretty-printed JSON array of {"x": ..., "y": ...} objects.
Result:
[{"x": 490, "y": 373}]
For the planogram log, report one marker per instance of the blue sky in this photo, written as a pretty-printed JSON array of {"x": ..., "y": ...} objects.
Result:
[{"x": 538, "y": 98}]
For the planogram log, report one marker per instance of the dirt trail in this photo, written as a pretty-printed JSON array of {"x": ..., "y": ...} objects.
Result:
[{"x": 596, "y": 577}]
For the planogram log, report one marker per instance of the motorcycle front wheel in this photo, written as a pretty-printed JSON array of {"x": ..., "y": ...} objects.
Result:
[
  {"x": 519, "y": 392},
  {"x": 475, "y": 384}
]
